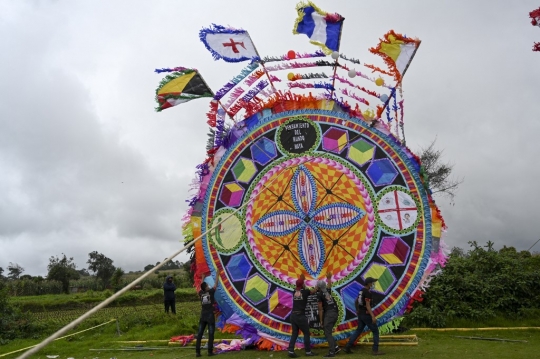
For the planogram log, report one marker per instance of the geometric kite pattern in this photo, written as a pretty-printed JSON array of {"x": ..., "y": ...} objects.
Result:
[
  {"x": 393, "y": 250},
  {"x": 382, "y": 172},
  {"x": 385, "y": 277}
]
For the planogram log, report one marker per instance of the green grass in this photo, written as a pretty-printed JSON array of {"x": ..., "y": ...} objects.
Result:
[
  {"x": 143, "y": 321},
  {"x": 431, "y": 345}
]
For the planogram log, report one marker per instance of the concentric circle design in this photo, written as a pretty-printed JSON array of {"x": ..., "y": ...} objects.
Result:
[
  {"x": 313, "y": 190},
  {"x": 316, "y": 213}
]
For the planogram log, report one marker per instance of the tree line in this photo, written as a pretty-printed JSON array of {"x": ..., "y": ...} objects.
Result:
[{"x": 62, "y": 269}]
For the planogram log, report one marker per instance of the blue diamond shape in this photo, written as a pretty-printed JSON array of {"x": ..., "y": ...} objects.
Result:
[
  {"x": 263, "y": 151},
  {"x": 350, "y": 294},
  {"x": 382, "y": 172},
  {"x": 239, "y": 267}
]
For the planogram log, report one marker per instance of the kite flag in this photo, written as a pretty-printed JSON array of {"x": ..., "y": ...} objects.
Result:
[
  {"x": 228, "y": 44},
  {"x": 182, "y": 85},
  {"x": 322, "y": 28},
  {"x": 397, "y": 52}
]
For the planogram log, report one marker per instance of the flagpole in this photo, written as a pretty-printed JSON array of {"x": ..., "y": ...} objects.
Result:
[{"x": 262, "y": 62}]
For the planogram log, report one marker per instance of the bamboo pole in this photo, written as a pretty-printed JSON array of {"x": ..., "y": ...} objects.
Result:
[
  {"x": 491, "y": 339},
  {"x": 471, "y": 329}
]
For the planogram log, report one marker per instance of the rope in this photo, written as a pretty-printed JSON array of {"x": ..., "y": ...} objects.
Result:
[{"x": 97, "y": 326}]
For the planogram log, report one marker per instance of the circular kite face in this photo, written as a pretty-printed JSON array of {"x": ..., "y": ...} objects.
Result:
[{"x": 318, "y": 193}]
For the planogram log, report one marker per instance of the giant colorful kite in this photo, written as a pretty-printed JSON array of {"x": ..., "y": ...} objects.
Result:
[{"x": 308, "y": 173}]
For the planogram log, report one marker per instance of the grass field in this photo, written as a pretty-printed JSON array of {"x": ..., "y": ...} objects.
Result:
[
  {"x": 147, "y": 322},
  {"x": 430, "y": 345}
]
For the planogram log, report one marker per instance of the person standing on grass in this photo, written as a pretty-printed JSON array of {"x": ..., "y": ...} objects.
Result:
[
  {"x": 206, "y": 296},
  {"x": 299, "y": 321},
  {"x": 328, "y": 313},
  {"x": 169, "y": 297},
  {"x": 366, "y": 318}
]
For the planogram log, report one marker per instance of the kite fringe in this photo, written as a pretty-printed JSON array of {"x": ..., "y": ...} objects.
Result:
[
  {"x": 361, "y": 88},
  {"x": 350, "y": 59},
  {"x": 254, "y": 91},
  {"x": 354, "y": 96},
  {"x": 254, "y": 77},
  {"x": 246, "y": 71},
  {"x": 174, "y": 69},
  {"x": 533, "y": 15},
  {"x": 304, "y": 85},
  {"x": 318, "y": 75},
  {"x": 378, "y": 69},
  {"x": 298, "y": 55},
  {"x": 212, "y": 113}
]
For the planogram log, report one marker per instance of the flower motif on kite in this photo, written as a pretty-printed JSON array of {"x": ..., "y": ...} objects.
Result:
[{"x": 307, "y": 218}]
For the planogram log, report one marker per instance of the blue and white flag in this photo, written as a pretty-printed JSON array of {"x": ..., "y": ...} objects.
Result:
[
  {"x": 231, "y": 45},
  {"x": 322, "y": 28}
]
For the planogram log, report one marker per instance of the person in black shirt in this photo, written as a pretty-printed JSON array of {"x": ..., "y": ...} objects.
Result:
[
  {"x": 366, "y": 317},
  {"x": 168, "y": 293},
  {"x": 298, "y": 317},
  {"x": 206, "y": 296},
  {"x": 329, "y": 311}
]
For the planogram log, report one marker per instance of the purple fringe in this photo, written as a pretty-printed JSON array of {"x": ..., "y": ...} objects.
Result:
[
  {"x": 254, "y": 91},
  {"x": 174, "y": 69}
]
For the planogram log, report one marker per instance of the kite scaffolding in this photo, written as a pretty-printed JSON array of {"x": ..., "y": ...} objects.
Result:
[{"x": 307, "y": 172}]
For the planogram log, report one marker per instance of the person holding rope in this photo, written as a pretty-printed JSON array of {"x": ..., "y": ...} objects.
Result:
[
  {"x": 299, "y": 321},
  {"x": 206, "y": 296}
]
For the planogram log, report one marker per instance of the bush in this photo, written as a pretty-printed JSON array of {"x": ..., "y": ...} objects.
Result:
[
  {"x": 13, "y": 323},
  {"x": 480, "y": 285}
]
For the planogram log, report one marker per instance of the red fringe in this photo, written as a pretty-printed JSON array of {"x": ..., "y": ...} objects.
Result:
[
  {"x": 533, "y": 15},
  {"x": 212, "y": 113},
  {"x": 378, "y": 69},
  {"x": 210, "y": 153}
]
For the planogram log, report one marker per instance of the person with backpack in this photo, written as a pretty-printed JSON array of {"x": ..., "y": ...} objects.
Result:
[{"x": 366, "y": 318}]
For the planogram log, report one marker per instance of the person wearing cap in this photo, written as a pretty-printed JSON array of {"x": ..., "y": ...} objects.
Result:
[
  {"x": 299, "y": 320},
  {"x": 366, "y": 318},
  {"x": 206, "y": 296},
  {"x": 328, "y": 313}
]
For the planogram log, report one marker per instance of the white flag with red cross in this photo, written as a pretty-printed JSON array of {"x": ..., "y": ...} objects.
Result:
[{"x": 231, "y": 45}]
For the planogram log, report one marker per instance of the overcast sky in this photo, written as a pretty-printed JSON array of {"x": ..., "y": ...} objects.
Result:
[{"x": 86, "y": 164}]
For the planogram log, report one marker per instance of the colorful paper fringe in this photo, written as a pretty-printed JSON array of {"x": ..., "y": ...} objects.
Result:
[{"x": 298, "y": 55}]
